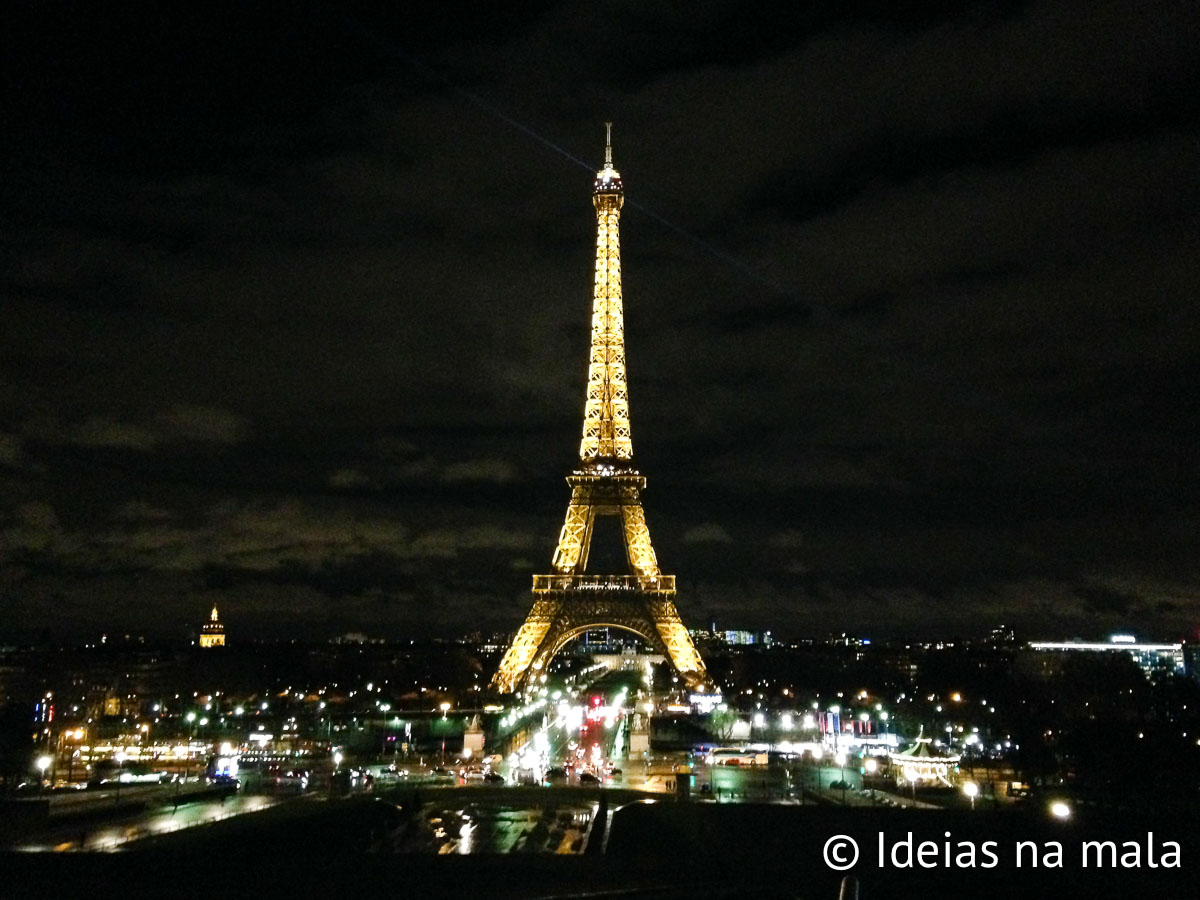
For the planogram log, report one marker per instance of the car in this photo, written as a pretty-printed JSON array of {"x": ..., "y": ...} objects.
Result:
[
  {"x": 292, "y": 780},
  {"x": 493, "y": 778},
  {"x": 588, "y": 778}
]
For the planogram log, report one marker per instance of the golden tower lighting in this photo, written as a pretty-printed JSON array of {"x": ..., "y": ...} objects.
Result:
[{"x": 570, "y": 601}]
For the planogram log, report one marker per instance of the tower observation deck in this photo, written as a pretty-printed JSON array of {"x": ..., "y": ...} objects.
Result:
[{"x": 569, "y": 600}]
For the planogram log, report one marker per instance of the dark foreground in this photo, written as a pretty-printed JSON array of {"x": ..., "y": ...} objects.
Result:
[{"x": 664, "y": 849}]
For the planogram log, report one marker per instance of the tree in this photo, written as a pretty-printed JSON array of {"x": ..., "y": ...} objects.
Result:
[{"x": 721, "y": 722}]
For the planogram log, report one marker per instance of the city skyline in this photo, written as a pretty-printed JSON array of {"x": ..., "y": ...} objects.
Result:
[{"x": 296, "y": 315}]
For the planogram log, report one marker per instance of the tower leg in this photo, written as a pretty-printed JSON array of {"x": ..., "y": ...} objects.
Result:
[
  {"x": 576, "y": 535},
  {"x": 522, "y": 654}
]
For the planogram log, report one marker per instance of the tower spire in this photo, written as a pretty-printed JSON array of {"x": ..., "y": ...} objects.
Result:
[{"x": 606, "y": 434}]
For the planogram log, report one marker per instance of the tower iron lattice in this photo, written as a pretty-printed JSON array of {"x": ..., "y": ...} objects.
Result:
[{"x": 570, "y": 601}]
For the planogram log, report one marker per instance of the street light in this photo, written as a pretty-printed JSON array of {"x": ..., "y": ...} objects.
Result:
[
  {"x": 75, "y": 735},
  {"x": 444, "y": 707},
  {"x": 43, "y": 763},
  {"x": 187, "y": 760},
  {"x": 971, "y": 789},
  {"x": 840, "y": 759}
]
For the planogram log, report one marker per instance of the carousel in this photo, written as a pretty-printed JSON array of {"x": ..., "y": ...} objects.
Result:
[{"x": 920, "y": 765}]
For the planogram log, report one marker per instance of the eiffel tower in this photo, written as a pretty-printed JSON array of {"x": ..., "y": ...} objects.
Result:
[{"x": 569, "y": 601}]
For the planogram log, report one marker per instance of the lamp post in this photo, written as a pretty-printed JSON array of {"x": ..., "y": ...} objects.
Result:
[
  {"x": 445, "y": 707},
  {"x": 43, "y": 763},
  {"x": 971, "y": 789},
  {"x": 76, "y": 736},
  {"x": 187, "y": 759},
  {"x": 840, "y": 759}
]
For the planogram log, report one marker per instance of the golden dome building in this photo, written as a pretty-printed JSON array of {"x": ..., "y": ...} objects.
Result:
[{"x": 212, "y": 634}]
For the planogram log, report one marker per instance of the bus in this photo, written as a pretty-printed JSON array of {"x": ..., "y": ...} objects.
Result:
[{"x": 734, "y": 756}]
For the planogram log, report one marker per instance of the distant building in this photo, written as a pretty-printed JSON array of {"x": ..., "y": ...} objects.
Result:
[
  {"x": 213, "y": 632},
  {"x": 1152, "y": 659},
  {"x": 746, "y": 638},
  {"x": 1001, "y": 636},
  {"x": 1191, "y": 659},
  {"x": 846, "y": 640}
]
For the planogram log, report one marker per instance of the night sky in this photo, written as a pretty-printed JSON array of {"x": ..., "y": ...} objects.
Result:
[{"x": 294, "y": 312}]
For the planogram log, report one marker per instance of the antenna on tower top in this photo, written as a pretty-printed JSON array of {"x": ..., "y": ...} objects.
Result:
[{"x": 608, "y": 144}]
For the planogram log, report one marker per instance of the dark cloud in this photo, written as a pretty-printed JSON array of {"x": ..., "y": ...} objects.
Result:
[{"x": 295, "y": 319}]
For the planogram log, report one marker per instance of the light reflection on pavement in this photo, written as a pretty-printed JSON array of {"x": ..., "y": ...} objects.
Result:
[
  {"x": 493, "y": 826},
  {"x": 117, "y": 834}
]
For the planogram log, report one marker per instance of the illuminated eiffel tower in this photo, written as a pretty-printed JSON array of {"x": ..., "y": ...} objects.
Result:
[{"x": 569, "y": 602}]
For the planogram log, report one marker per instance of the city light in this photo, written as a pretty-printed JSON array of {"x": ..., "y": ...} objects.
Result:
[{"x": 971, "y": 789}]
